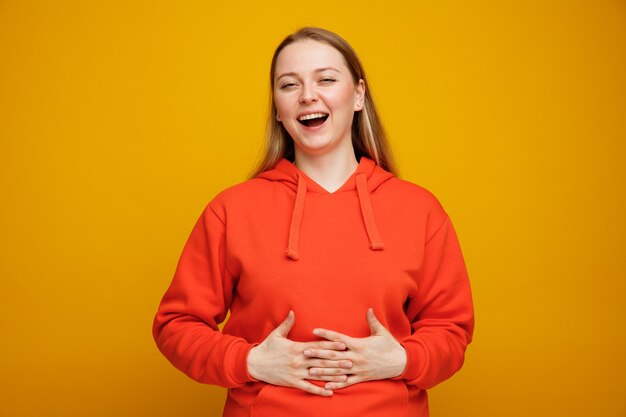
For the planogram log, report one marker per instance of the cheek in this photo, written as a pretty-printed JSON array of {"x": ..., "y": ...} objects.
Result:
[
  {"x": 282, "y": 104},
  {"x": 343, "y": 100}
]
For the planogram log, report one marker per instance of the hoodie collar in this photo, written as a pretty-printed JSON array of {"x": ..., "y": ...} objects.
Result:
[{"x": 367, "y": 177}]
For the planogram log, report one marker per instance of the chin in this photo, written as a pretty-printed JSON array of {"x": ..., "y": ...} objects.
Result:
[{"x": 314, "y": 146}]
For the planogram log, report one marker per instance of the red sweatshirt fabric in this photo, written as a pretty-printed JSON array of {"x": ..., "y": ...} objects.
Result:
[{"x": 281, "y": 242}]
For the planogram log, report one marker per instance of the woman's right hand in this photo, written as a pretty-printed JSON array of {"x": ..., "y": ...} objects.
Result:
[{"x": 280, "y": 361}]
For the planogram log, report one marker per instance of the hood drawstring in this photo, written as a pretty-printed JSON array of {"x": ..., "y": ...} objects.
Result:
[
  {"x": 376, "y": 243},
  {"x": 296, "y": 219}
]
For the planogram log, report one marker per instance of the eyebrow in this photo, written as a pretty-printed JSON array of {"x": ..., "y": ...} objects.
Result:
[{"x": 316, "y": 70}]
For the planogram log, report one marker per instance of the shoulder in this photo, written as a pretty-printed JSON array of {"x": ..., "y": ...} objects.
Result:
[
  {"x": 413, "y": 194},
  {"x": 238, "y": 194},
  {"x": 236, "y": 191},
  {"x": 413, "y": 203}
]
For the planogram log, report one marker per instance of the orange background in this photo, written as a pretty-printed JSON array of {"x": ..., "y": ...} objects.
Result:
[{"x": 119, "y": 120}]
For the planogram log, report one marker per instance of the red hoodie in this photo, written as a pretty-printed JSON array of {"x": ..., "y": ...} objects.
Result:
[{"x": 281, "y": 242}]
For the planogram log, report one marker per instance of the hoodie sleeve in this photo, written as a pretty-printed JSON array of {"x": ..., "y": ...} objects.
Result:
[
  {"x": 441, "y": 314},
  {"x": 185, "y": 327}
]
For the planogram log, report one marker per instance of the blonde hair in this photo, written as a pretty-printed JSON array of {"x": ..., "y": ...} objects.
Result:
[{"x": 368, "y": 136}]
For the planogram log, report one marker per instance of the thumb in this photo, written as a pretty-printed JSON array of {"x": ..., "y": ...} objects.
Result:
[
  {"x": 375, "y": 326},
  {"x": 285, "y": 327}
]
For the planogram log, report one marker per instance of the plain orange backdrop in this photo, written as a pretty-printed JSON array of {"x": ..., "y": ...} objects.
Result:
[{"x": 120, "y": 120}]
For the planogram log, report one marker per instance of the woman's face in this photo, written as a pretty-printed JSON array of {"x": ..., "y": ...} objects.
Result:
[{"x": 315, "y": 96}]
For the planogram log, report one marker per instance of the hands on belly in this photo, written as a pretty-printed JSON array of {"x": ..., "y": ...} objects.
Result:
[{"x": 340, "y": 360}]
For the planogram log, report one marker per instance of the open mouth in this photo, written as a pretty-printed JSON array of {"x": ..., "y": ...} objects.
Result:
[{"x": 313, "y": 120}]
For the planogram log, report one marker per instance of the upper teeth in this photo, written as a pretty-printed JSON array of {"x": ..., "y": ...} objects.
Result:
[{"x": 311, "y": 116}]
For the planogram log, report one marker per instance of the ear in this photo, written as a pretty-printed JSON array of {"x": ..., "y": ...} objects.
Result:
[
  {"x": 277, "y": 117},
  {"x": 359, "y": 96}
]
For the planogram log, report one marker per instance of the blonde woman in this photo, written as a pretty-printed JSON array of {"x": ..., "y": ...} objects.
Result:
[{"x": 346, "y": 286}]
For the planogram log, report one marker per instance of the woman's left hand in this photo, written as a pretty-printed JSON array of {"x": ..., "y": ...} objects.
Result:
[{"x": 378, "y": 356}]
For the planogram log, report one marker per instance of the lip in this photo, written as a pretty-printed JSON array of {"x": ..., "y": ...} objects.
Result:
[
  {"x": 312, "y": 128},
  {"x": 299, "y": 115}
]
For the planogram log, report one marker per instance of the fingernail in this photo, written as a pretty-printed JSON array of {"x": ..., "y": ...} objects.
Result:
[
  {"x": 316, "y": 331},
  {"x": 313, "y": 371},
  {"x": 307, "y": 353}
]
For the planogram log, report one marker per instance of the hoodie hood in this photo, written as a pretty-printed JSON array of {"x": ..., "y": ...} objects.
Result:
[{"x": 366, "y": 179}]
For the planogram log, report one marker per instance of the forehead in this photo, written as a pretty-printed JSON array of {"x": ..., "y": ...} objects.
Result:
[{"x": 307, "y": 56}]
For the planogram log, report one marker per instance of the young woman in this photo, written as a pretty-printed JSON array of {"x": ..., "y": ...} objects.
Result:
[{"x": 346, "y": 286}]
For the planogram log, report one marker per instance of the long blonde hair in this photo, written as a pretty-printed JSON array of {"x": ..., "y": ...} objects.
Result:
[{"x": 368, "y": 136}]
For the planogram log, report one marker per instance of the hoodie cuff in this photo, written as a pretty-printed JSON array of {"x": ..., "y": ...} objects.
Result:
[
  {"x": 239, "y": 359},
  {"x": 415, "y": 359}
]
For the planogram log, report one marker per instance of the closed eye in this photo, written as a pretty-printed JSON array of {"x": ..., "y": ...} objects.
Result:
[
  {"x": 287, "y": 85},
  {"x": 328, "y": 80}
]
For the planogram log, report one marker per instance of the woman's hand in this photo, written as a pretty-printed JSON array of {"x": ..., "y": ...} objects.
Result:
[
  {"x": 280, "y": 361},
  {"x": 378, "y": 356}
]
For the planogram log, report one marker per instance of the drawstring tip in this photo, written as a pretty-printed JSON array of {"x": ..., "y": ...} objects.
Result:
[
  {"x": 377, "y": 245},
  {"x": 292, "y": 254}
]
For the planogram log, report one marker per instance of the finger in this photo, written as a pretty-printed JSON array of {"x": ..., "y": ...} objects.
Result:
[
  {"x": 336, "y": 355},
  {"x": 375, "y": 326},
  {"x": 339, "y": 385},
  {"x": 329, "y": 378},
  {"x": 323, "y": 363},
  {"x": 313, "y": 389},
  {"x": 324, "y": 344},
  {"x": 329, "y": 371},
  {"x": 285, "y": 327},
  {"x": 332, "y": 335}
]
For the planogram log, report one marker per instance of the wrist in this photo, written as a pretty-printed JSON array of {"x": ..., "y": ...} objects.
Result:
[
  {"x": 251, "y": 363},
  {"x": 400, "y": 361}
]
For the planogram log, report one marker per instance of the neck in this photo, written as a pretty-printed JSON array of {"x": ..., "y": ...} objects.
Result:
[{"x": 329, "y": 170}]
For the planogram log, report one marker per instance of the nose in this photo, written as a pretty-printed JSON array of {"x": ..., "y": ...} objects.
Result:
[{"x": 308, "y": 94}]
